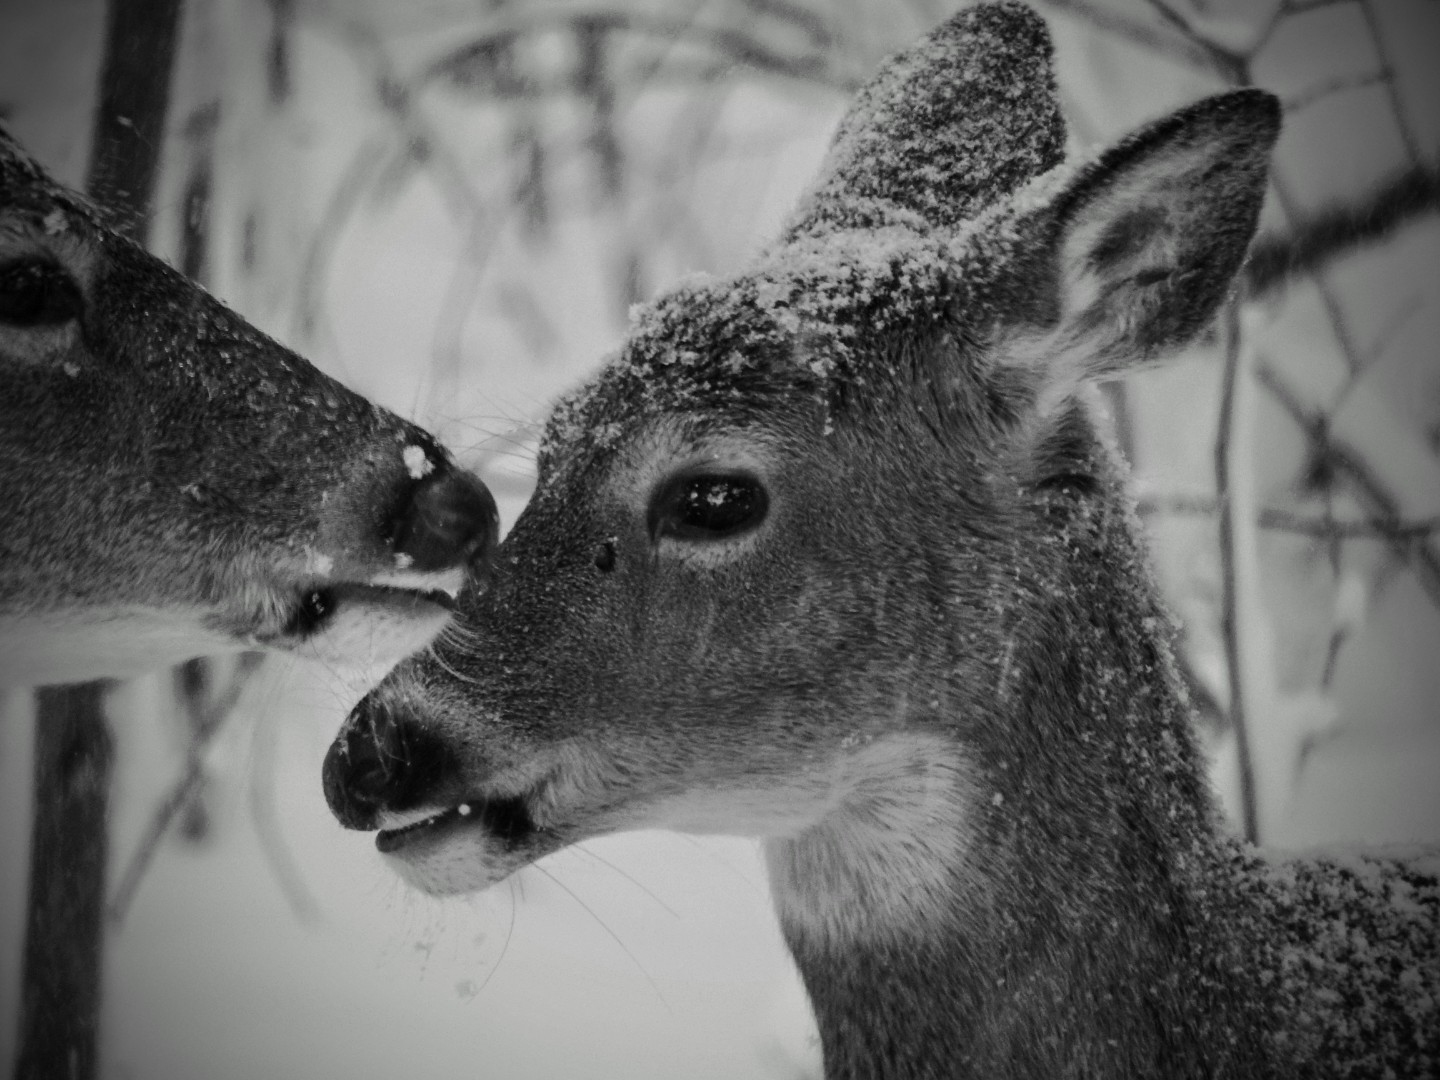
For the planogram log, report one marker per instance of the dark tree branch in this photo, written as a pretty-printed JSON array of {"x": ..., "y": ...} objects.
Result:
[
  {"x": 64, "y": 941},
  {"x": 64, "y": 937},
  {"x": 1318, "y": 238}
]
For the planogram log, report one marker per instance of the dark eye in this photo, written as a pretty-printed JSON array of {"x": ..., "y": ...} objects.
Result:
[
  {"x": 312, "y": 613},
  {"x": 36, "y": 292},
  {"x": 707, "y": 506}
]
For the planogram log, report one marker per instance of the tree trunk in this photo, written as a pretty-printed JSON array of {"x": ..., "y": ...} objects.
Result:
[
  {"x": 61, "y": 976},
  {"x": 60, "y": 983}
]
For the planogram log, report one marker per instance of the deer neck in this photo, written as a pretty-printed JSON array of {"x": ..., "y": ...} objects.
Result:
[{"x": 979, "y": 909}]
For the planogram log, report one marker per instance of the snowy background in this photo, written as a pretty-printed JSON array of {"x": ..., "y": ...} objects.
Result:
[{"x": 451, "y": 206}]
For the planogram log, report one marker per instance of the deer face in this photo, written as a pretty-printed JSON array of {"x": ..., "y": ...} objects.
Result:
[
  {"x": 174, "y": 482},
  {"x": 785, "y": 548}
]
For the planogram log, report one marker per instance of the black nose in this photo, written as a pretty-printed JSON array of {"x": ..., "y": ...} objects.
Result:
[
  {"x": 449, "y": 520},
  {"x": 382, "y": 760}
]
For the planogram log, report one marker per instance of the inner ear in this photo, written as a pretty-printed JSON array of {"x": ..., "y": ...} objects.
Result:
[{"x": 1145, "y": 242}]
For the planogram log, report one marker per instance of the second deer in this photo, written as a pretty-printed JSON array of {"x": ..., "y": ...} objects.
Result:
[
  {"x": 833, "y": 554},
  {"x": 173, "y": 483}
]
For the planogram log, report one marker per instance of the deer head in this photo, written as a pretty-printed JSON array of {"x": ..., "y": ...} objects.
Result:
[
  {"x": 175, "y": 483},
  {"x": 802, "y": 555}
]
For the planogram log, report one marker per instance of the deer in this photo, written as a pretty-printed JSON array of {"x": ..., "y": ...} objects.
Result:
[
  {"x": 174, "y": 483},
  {"x": 836, "y": 552}
]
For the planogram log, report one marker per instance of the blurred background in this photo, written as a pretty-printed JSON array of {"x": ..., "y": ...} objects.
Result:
[{"x": 452, "y": 205}]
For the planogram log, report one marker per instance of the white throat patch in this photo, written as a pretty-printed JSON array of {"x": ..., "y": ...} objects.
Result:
[{"x": 883, "y": 862}]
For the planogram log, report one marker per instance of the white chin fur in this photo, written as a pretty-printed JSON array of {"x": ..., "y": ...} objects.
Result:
[
  {"x": 365, "y": 635},
  {"x": 463, "y": 863}
]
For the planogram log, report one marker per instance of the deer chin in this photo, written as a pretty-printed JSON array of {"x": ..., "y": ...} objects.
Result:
[{"x": 464, "y": 847}]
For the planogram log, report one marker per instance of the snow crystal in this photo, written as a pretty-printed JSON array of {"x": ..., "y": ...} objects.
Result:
[{"x": 417, "y": 462}]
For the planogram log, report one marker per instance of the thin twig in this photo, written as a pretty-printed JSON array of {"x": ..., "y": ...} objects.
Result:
[
  {"x": 1322, "y": 528},
  {"x": 1392, "y": 89},
  {"x": 1381, "y": 505},
  {"x": 1329, "y": 298},
  {"x": 1343, "y": 84},
  {"x": 1230, "y": 586},
  {"x": 206, "y": 720},
  {"x": 1189, "y": 50}
]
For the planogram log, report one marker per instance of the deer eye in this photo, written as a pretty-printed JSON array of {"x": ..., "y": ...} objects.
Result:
[
  {"x": 707, "y": 506},
  {"x": 36, "y": 292}
]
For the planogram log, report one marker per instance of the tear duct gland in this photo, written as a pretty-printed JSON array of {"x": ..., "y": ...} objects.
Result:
[
  {"x": 916, "y": 649},
  {"x": 176, "y": 483}
]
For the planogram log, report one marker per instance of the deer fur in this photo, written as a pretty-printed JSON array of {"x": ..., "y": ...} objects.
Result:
[
  {"x": 833, "y": 553},
  {"x": 174, "y": 483}
]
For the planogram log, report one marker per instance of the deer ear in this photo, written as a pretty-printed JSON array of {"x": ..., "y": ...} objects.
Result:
[{"x": 1144, "y": 242}]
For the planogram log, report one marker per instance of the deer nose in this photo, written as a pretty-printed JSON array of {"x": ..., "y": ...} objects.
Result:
[
  {"x": 450, "y": 520},
  {"x": 381, "y": 761}
]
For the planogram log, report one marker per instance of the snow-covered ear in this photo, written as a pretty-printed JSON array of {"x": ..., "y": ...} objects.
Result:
[
  {"x": 1144, "y": 243},
  {"x": 946, "y": 128}
]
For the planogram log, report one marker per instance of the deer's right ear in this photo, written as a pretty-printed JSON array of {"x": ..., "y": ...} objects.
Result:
[{"x": 1143, "y": 244}]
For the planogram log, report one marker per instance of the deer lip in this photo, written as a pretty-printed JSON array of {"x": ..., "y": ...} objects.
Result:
[
  {"x": 390, "y": 595},
  {"x": 507, "y": 820}
]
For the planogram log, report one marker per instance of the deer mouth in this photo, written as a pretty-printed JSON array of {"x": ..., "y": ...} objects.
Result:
[
  {"x": 362, "y": 623},
  {"x": 506, "y": 821},
  {"x": 317, "y": 608}
]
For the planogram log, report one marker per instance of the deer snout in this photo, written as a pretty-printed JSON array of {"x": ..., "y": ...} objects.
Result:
[
  {"x": 382, "y": 762},
  {"x": 449, "y": 520}
]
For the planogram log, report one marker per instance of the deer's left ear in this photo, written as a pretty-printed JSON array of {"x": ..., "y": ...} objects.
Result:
[{"x": 1143, "y": 244}]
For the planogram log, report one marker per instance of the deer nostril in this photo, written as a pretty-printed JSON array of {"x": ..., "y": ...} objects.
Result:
[
  {"x": 450, "y": 520},
  {"x": 380, "y": 762},
  {"x": 368, "y": 783}
]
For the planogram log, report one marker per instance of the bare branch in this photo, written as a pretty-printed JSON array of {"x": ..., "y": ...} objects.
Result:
[
  {"x": 1186, "y": 48},
  {"x": 1318, "y": 238},
  {"x": 207, "y": 718},
  {"x": 1321, "y": 528},
  {"x": 1343, "y": 84},
  {"x": 1230, "y": 630},
  {"x": 459, "y": 66},
  {"x": 1392, "y": 90}
]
